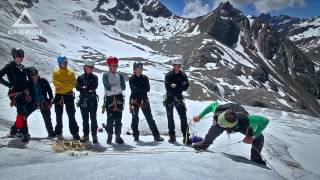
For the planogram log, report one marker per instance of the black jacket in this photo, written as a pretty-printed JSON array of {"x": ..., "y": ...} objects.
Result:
[
  {"x": 139, "y": 87},
  {"x": 17, "y": 77},
  {"x": 45, "y": 89},
  {"x": 90, "y": 81},
  {"x": 242, "y": 115},
  {"x": 178, "y": 79}
]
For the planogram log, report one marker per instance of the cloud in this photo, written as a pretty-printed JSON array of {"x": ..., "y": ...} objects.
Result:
[
  {"x": 264, "y": 6},
  {"x": 195, "y": 8}
]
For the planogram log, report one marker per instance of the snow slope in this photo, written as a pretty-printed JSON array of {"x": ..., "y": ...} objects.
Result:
[{"x": 285, "y": 140}]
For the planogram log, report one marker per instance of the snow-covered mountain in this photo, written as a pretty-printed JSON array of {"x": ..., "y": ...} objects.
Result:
[
  {"x": 223, "y": 50},
  {"x": 228, "y": 57},
  {"x": 305, "y": 33}
]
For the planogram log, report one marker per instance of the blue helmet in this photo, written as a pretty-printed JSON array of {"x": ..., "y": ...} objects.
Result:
[{"x": 62, "y": 59}]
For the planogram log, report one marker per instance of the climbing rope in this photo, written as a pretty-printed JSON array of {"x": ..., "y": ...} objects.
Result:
[{"x": 62, "y": 146}]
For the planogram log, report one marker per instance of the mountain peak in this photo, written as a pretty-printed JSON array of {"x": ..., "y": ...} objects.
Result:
[{"x": 225, "y": 6}]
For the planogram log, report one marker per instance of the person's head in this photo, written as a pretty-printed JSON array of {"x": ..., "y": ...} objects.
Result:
[
  {"x": 88, "y": 67},
  {"x": 33, "y": 74},
  {"x": 18, "y": 55},
  {"x": 62, "y": 61},
  {"x": 177, "y": 64},
  {"x": 228, "y": 119},
  {"x": 137, "y": 68},
  {"x": 112, "y": 63}
]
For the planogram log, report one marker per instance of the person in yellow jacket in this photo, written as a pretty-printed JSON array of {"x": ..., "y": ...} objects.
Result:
[{"x": 64, "y": 81}]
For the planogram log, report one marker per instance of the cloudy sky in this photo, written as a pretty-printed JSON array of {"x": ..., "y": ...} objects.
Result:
[{"x": 298, "y": 8}]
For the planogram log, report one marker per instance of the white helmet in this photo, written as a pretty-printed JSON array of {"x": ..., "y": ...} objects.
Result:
[
  {"x": 177, "y": 61},
  {"x": 88, "y": 63}
]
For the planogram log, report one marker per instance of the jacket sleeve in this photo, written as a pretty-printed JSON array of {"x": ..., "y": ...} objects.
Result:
[
  {"x": 95, "y": 84},
  {"x": 147, "y": 84},
  {"x": 73, "y": 81},
  {"x": 49, "y": 90},
  {"x": 123, "y": 82},
  {"x": 258, "y": 124},
  {"x": 105, "y": 80},
  {"x": 55, "y": 80},
  {"x": 211, "y": 108},
  {"x": 3, "y": 72},
  {"x": 131, "y": 84},
  {"x": 167, "y": 83},
  {"x": 186, "y": 85},
  {"x": 79, "y": 85}
]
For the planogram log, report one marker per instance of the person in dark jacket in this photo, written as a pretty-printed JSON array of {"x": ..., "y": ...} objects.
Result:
[
  {"x": 87, "y": 84},
  {"x": 139, "y": 85},
  {"x": 176, "y": 81},
  {"x": 41, "y": 94},
  {"x": 233, "y": 117},
  {"x": 18, "y": 91}
]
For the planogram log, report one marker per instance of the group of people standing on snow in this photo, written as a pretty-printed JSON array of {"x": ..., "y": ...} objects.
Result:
[{"x": 29, "y": 92}]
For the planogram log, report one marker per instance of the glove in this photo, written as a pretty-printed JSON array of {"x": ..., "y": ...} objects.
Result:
[
  {"x": 196, "y": 118},
  {"x": 248, "y": 140}
]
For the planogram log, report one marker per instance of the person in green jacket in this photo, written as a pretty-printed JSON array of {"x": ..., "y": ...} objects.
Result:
[{"x": 234, "y": 118}]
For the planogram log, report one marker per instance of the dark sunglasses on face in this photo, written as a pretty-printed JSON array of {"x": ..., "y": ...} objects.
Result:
[
  {"x": 113, "y": 65},
  {"x": 91, "y": 67},
  {"x": 34, "y": 74}
]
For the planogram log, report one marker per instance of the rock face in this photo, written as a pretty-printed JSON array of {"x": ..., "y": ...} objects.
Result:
[
  {"x": 123, "y": 9},
  {"x": 286, "y": 56},
  {"x": 224, "y": 24},
  {"x": 305, "y": 33}
]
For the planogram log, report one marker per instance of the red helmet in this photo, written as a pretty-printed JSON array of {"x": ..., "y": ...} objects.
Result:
[{"x": 112, "y": 60}]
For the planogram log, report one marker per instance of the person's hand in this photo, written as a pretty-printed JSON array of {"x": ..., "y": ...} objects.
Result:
[
  {"x": 29, "y": 98},
  {"x": 196, "y": 118},
  {"x": 173, "y": 85},
  {"x": 50, "y": 103},
  {"x": 248, "y": 140}
]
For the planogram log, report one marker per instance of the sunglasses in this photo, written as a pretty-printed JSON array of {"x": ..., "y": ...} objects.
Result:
[
  {"x": 91, "y": 67},
  {"x": 34, "y": 74},
  {"x": 19, "y": 56},
  {"x": 113, "y": 65}
]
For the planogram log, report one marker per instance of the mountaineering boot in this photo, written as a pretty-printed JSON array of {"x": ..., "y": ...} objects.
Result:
[
  {"x": 59, "y": 137},
  {"x": 84, "y": 139},
  {"x": 109, "y": 139},
  {"x": 25, "y": 138},
  {"x": 172, "y": 139},
  {"x": 200, "y": 146},
  {"x": 259, "y": 161},
  {"x": 76, "y": 137},
  {"x": 186, "y": 140},
  {"x": 158, "y": 139},
  {"x": 94, "y": 139},
  {"x": 119, "y": 140},
  {"x": 51, "y": 135},
  {"x": 136, "y": 138}
]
